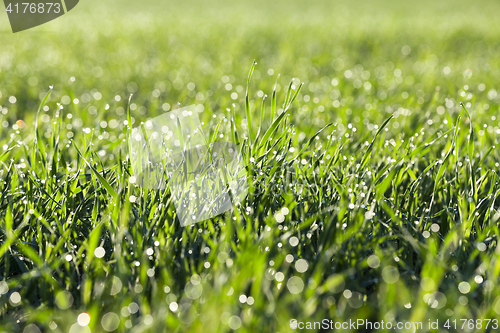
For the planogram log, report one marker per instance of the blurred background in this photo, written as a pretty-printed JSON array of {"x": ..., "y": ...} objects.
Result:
[{"x": 350, "y": 55}]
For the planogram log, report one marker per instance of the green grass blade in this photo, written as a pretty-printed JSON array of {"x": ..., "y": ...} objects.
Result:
[
  {"x": 96, "y": 173},
  {"x": 247, "y": 104},
  {"x": 368, "y": 151}
]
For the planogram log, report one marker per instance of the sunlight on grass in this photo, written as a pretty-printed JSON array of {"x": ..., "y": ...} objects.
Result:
[{"x": 368, "y": 145}]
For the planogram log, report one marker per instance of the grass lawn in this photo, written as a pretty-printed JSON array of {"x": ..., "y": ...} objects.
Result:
[{"x": 368, "y": 130}]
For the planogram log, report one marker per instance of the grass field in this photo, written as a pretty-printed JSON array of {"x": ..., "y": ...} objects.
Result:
[{"x": 368, "y": 137}]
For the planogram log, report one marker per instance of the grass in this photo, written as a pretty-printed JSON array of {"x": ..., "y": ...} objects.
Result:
[{"x": 373, "y": 192}]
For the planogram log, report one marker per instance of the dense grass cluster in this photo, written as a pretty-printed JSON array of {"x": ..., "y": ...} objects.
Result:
[{"x": 369, "y": 143}]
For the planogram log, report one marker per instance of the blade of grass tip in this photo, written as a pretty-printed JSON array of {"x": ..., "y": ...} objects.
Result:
[
  {"x": 212, "y": 142},
  {"x": 478, "y": 164},
  {"x": 247, "y": 104},
  {"x": 128, "y": 128},
  {"x": 4, "y": 154},
  {"x": 470, "y": 147},
  {"x": 288, "y": 93},
  {"x": 216, "y": 131},
  {"x": 368, "y": 152},
  {"x": 233, "y": 129},
  {"x": 336, "y": 156},
  {"x": 294, "y": 96},
  {"x": 424, "y": 148},
  {"x": 179, "y": 134},
  {"x": 262, "y": 111},
  {"x": 101, "y": 179},
  {"x": 273, "y": 100},
  {"x": 278, "y": 120},
  {"x": 38, "y": 144},
  {"x": 129, "y": 117},
  {"x": 311, "y": 140},
  {"x": 271, "y": 129},
  {"x": 56, "y": 135},
  {"x": 207, "y": 143}
]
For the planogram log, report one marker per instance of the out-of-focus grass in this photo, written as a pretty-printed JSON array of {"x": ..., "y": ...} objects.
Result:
[{"x": 395, "y": 222}]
